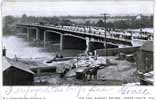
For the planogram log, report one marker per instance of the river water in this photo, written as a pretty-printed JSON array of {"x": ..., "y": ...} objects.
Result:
[{"x": 21, "y": 48}]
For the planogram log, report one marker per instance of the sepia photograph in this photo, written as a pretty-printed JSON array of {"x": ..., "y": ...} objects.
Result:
[{"x": 79, "y": 43}]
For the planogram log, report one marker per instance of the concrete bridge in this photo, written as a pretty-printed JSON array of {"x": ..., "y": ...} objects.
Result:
[{"x": 73, "y": 38}]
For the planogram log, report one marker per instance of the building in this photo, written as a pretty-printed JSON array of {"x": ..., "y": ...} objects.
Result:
[
  {"x": 145, "y": 57},
  {"x": 16, "y": 73},
  {"x": 144, "y": 63}
]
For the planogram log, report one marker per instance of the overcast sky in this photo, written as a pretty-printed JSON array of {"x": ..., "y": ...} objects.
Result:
[{"x": 83, "y": 8}]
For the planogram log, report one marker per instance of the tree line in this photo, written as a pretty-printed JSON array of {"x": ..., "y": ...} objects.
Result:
[
  {"x": 9, "y": 22},
  {"x": 145, "y": 22}
]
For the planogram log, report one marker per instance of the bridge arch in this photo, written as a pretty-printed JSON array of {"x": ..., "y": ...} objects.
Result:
[
  {"x": 53, "y": 36},
  {"x": 73, "y": 42},
  {"x": 33, "y": 34}
]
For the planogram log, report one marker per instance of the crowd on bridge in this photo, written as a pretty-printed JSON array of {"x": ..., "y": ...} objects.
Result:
[{"x": 117, "y": 33}]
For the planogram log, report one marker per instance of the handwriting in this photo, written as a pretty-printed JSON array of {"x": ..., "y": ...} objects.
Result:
[
  {"x": 78, "y": 90},
  {"x": 125, "y": 90}
]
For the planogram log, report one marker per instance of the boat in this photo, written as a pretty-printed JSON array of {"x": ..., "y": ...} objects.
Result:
[{"x": 59, "y": 58}]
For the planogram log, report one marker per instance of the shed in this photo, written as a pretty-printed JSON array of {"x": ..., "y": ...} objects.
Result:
[{"x": 16, "y": 72}]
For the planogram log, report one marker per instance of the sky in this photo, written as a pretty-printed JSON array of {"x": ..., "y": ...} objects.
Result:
[{"x": 78, "y": 8}]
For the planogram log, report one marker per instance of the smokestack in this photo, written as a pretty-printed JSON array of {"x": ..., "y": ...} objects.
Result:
[{"x": 4, "y": 52}]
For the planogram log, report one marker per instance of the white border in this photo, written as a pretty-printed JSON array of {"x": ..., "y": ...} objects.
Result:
[{"x": 76, "y": 92}]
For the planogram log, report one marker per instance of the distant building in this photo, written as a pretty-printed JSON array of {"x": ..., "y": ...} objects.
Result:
[
  {"x": 145, "y": 57},
  {"x": 16, "y": 73}
]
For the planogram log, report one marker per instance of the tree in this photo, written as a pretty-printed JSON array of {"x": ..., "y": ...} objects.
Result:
[
  {"x": 66, "y": 22},
  {"x": 88, "y": 23},
  {"x": 100, "y": 23},
  {"x": 121, "y": 24},
  {"x": 24, "y": 16},
  {"x": 9, "y": 25}
]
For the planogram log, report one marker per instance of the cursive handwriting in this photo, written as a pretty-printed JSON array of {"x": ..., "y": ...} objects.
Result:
[
  {"x": 125, "y": 90},
  {"x": 78, "y": 90}
]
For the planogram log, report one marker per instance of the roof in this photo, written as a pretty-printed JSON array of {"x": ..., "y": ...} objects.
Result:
[
  {"x": 7, "y": 63},
  {"x": 147, "y": 46},
  {"x": 149, "y": 76}
]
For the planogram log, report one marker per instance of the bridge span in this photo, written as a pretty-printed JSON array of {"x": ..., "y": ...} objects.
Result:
[{"x": 73, "y": 38}]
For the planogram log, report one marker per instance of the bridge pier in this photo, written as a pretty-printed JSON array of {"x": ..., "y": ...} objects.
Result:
[
  {"x": 37, "y": 37},
  {"x": 37, "y": 34},
  {"x": 44, "y": 39},
  {"x": 61, "y": 42},
  {"x": 87, "y": 45},
  {"x": 28, "y": 33}
]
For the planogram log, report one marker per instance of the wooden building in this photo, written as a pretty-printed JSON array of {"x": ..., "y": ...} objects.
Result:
[{"x": 16, "y": 72}]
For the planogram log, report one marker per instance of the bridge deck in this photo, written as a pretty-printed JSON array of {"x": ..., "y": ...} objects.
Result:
[{"x": 78, "y": 32}]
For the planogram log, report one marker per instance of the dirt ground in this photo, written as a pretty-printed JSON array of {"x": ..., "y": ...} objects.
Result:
[{"x": 122, "y": 72}]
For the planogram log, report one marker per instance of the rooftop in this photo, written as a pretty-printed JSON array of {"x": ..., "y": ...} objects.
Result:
[
  {"x": 147, "y": 46},
  {"x": 7, "y": 63}
]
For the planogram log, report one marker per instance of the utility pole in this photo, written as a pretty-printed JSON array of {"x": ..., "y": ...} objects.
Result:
[
  {"x": 139, "y": 17},
  {"x": 105, "y": 18}
]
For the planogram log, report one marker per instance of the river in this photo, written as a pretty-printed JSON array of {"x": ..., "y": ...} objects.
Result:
[{"x": 19, "y": 47}]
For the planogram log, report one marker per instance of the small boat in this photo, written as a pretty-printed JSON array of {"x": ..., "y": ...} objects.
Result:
[{"x": 59, "y": 58}]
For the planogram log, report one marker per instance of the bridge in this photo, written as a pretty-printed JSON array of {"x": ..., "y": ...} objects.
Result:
[{"x": 74, "y": 37}]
